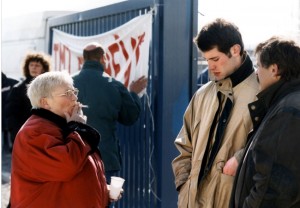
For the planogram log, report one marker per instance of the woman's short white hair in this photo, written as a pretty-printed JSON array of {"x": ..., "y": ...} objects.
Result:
[{"x": 44, "y": 84}]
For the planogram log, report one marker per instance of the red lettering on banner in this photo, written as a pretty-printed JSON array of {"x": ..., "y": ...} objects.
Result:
[
  {"x": 127, "y": 75},
  {"x": 64, "y": 57},
  {"x": 118, "y": 54},
  {"x": 126, "y": 56},
  {"x": 119, "y": 47},
  {"x": 112, "y": 65},
  {"x": 55, "y": 51},
  {"x": 137, "y": 52}
]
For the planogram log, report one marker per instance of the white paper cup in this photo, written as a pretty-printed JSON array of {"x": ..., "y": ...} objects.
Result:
[
  {"x": 116, "y": 181},
  {"x": 116, "y": 184},
  {"x": 114, "y": 192}
]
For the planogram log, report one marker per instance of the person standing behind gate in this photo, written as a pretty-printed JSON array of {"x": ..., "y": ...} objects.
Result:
[
  {"x": 7, "y": 84},
  {"x": 216, "y": 121},
  {"x": 269, "y": 175},
  {"x": 18, "y": 104},
  {"x": 108, "y": 102}
]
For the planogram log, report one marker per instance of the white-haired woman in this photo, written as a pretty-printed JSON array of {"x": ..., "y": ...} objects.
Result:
[{"x": 55, "y": 160}]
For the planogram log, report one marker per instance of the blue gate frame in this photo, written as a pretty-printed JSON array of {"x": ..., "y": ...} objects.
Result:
[{"x": 147, "y": 146}]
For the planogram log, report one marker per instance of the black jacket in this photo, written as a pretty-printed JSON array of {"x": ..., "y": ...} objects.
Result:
[
  {"x": 269, "y": 175},
  {"x": 6, "y": 86},
  {"x": 18, "y": 106},
  {"x": 109, "y": 102}
]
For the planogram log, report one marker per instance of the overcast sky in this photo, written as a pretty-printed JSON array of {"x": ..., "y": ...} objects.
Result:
[
  {"x": 257, "y": 19},
  {"x": 19, "y": 7}
]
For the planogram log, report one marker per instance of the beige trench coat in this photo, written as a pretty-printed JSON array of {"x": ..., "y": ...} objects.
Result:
[{"x": 215, "y": 189}]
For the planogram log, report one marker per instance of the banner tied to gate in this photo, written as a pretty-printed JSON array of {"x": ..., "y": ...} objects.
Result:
[{"x": 126, "y": 49}]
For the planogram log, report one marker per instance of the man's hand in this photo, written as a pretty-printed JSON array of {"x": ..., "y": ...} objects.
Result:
[
  {"x": 231, "y": 167},
  {"x": 138, "y": 85}
]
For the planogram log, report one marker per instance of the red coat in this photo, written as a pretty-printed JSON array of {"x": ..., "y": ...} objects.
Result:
[{"x": 51, "y": 171}]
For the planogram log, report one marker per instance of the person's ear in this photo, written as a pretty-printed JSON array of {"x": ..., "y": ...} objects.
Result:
[
  {"x": 235, "y": 50},
  {"x": 275, "y": 71},
  {"x": 44, "y": 103}
]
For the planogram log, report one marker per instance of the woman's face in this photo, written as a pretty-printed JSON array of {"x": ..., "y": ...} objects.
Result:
[
  {"x": 63, "y": 100},
  {"x": 35, "y": 68}
]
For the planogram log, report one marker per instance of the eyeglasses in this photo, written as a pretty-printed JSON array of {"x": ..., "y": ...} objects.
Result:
[{"x": 70, "y": 93}]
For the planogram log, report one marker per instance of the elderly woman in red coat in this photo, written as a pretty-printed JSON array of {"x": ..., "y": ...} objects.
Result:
[{"x": 55, "y": 160}]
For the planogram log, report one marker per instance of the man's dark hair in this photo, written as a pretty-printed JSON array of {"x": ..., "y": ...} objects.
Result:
[
  {"x": 282, "y": 52},
  {"x": 220, "y": 34}
]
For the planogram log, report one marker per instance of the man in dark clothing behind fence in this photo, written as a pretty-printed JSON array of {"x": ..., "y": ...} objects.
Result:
[{"x": 108, "y": 102}]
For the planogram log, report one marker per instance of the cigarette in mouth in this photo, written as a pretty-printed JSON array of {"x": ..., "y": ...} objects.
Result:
[{"x": 83, "y": 106}]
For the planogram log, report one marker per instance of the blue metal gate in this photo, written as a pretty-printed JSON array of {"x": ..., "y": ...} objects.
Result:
[
  {"x": 148, "y": 146},
  {"x": 136, "y": 141}
]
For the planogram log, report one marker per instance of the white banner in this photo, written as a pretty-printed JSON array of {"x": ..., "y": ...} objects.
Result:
[{"x": 126, "y": 47}]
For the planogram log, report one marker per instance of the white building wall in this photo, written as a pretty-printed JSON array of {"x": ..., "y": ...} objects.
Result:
[{"x": 21, "y": 35}]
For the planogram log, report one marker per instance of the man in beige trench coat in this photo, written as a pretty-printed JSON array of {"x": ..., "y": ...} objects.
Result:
[{"x": 217, "y": 121}]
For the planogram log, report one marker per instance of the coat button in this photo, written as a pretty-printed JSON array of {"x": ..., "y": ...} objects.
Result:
[
  {"x": 256, "y": 118},
  {"x": 253, "y": 107}
]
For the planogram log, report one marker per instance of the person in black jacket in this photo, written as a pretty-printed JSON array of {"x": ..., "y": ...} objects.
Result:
[
  {"x": 269, "y": 175},
  {"x": 18, "y": 104},
  {"x": 7, "y": 84}
]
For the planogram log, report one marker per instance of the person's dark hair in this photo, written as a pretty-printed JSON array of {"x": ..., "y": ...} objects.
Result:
[
  {"x": 36, "y": 57},
  {"x": 282, "y": 52},
  {"x": 260, "y": 46},
  {"x": 220, "y": 34},
  {"x": 94, "y": 54}
]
